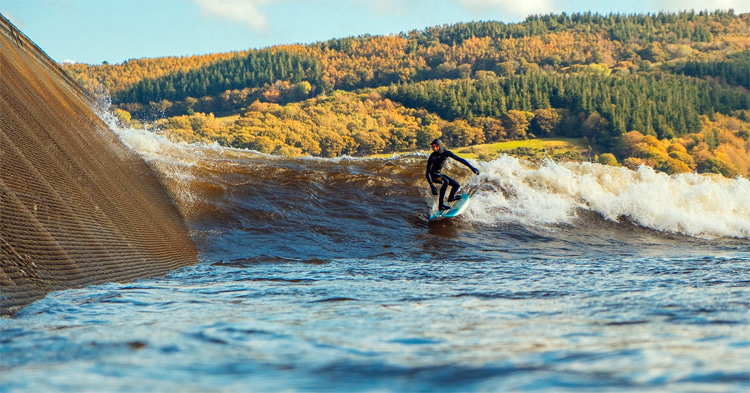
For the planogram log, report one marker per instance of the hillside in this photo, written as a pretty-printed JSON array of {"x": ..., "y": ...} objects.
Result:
[{"x": 669, "y": 90}]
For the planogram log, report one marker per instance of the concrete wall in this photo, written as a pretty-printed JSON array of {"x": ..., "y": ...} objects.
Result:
[{"x": 77, "y": 207}]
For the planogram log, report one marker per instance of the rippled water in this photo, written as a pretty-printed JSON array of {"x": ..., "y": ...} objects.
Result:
[
  {"x": 370, "y": 325},
  {"x": 324, "y": 275}
]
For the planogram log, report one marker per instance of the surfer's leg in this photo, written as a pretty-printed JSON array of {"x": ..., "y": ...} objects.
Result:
[
  {"x": 454, "y": 188},
  {"x": 443, "y": 188}
]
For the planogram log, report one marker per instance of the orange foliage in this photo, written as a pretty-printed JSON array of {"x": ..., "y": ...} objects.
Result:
[{"x": 730, "y": 157}]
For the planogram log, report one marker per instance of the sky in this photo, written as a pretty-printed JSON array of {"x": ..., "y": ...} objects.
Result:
[{"x": 95, "y": 31}]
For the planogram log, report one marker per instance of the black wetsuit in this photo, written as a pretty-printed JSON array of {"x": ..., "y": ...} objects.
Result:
[{"x": 435, "y": 163}]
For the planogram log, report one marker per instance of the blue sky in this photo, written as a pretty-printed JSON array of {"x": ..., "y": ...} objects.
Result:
[{"x": 93, "y": 31}]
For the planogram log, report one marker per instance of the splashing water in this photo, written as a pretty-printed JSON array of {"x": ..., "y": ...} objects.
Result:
[{"x": 688, "y": 204}]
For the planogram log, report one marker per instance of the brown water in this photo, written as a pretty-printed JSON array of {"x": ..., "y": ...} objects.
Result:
[{"x": 325, "y": 275}]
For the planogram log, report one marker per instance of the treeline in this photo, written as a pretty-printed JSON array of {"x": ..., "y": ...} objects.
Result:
[
  {"x": 624, "y": 43},
  {"x": 664, "y": 76},
  {"x": 255, "y": 69},
  {"x": 663, "y": 26},
  {"x": 661, "y": 105}
]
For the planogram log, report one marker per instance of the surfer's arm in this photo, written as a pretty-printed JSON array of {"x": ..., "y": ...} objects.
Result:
[
  {"x": 461, "y": 160},
  {"x": 429, "y": 178},
  {"x": 428, "y": 170}
]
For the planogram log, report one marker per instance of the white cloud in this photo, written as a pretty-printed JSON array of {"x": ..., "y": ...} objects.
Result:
[
  {"x": 516, "y": 8},
  {"x": 245, "y": 11}
]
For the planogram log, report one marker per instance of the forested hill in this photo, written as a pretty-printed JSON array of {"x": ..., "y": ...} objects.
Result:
[{"x": 672, "y": 78}]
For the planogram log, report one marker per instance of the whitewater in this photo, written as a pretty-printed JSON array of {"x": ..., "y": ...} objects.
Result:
[{"x": 325, "y": 275}]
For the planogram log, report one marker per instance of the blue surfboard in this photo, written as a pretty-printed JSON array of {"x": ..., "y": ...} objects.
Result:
[{"x": 456, "y": 208}]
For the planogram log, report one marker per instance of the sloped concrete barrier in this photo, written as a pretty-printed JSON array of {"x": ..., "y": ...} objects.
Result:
[{"x": 77, "y": 207}]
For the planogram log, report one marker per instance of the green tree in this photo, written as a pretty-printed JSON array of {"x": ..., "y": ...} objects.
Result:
[{"x": 608, "y": 159}]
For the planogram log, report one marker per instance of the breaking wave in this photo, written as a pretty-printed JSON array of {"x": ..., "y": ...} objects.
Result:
[{"x": 212, "y": 182}]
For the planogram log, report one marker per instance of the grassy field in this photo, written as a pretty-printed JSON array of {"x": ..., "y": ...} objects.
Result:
[
  {"x": 532, "y": 149},
  {"x": 559, "y": 149}
]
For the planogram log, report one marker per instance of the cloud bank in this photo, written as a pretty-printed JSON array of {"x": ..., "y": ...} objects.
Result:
[
  {"x": 245, "y": 11},
  {"x": 511, "y": 8}
]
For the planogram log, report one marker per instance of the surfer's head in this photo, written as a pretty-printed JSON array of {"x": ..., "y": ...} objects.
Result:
[{"x": 437, "y": 145}]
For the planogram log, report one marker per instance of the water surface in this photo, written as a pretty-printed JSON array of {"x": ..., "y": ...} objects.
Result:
[{"x": 324, "y": 275}]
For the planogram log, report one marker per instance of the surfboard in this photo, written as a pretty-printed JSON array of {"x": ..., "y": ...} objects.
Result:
[{"x": 456, "y": 208}]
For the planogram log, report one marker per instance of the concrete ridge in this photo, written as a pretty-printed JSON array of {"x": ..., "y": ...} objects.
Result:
[{"x": 77, "y": 207}]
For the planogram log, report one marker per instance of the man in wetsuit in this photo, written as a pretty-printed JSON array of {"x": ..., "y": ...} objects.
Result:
[{"x": 434, "y": 172}]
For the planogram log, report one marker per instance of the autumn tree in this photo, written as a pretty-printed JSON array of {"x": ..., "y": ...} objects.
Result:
[{"x": 516, "y": 123}]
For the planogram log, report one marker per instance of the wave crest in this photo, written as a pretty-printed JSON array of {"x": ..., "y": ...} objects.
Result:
[{"x": 688, "y": 204}]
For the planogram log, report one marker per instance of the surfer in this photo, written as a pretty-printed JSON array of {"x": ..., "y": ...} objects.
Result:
[{"x": 434, "y": 172}]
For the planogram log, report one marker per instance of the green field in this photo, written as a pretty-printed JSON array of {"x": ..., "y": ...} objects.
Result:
[
  {"x": 559, "y": 149},
  {"x": 574, "y": 149}
]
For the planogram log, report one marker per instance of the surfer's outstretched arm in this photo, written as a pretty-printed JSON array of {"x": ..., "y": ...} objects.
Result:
[{"x": 461, "y": 160}]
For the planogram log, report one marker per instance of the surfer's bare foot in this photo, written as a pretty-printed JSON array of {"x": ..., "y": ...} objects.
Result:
[
  {"x": 443, "y": 207},
  {"x": 455, "y": 198}
]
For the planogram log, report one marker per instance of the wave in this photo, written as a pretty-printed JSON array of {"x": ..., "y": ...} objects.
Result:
[
  {"x": 213, "y": 183},
  {"x": 688, "y": 204}
]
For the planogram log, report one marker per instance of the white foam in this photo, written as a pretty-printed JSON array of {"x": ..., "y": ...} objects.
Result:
[
  {"x": 688, "y": 204},
  {"x": 174, "y": 161}
]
